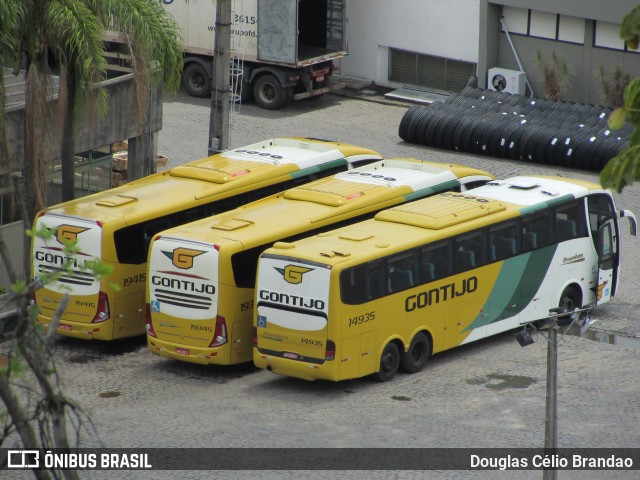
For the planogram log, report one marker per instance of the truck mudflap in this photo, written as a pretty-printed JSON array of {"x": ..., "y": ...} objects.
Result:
[{"x": 320, "y": 91}]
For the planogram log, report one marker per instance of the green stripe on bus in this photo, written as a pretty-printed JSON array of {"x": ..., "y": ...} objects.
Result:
[
  {"x": 318, "y": 168},
  {"x": 425, "y": 192},
  {"x": 549, "y": 203},
  {"x": 519, "y": 280}
]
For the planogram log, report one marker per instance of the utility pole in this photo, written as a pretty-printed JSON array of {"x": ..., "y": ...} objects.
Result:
[
  {"x": 551, "y": 415},
  {"x": 220, "y": 88}
]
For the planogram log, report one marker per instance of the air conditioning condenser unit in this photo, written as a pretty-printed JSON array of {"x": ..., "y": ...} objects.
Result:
[{"x": 505, "y": 80}]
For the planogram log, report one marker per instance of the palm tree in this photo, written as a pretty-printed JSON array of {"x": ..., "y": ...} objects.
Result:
[{"x": 65, "y": 37}]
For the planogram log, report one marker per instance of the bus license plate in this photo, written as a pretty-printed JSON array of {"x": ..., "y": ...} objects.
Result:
[
  {"x": 62, "y": 326},
  {"x": 182, "y": 351},
  {"x": 291, "y": 355}
]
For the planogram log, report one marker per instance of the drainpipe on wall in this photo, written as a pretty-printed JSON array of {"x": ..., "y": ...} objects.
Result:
[{"x": 515, "y": 54}]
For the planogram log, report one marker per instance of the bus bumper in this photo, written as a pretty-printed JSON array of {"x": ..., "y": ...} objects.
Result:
[
  {"x": 84, "y": 331},
  {"x": 190, "y": 353},
  {"x": 292, "y": 368}
]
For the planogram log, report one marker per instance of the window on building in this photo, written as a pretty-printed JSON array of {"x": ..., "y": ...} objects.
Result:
[
  {"x": 607, "y": 35},
  {"x": 571, "y": 29},
  {"x": 543, "y": 24},
  {"x": 516, "y": 20},
  {"x": 535, "y": 23}
]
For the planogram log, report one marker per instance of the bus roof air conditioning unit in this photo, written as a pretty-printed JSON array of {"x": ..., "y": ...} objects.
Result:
[{"x": 504, "y": 80}]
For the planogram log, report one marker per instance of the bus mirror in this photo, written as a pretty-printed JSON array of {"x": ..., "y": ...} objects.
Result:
[{"x": 633, "y": 225}]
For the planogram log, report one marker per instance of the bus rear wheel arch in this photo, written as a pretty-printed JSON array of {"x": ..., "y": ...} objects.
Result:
[
  {"x": 417, "y": 356},
  {"x": 389, "y": 363}
]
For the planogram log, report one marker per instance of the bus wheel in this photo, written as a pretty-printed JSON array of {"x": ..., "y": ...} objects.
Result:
[
  {"x": 569, "y": 301},
  {"x": 416, "y": 358},
  {"x": 389, "y": 363}
]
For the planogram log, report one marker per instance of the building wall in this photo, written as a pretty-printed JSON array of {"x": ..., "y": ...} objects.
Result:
[
  {"x": 469, "y": 30},
  {"x": 444, "y": 28},
  {"x": 585, "y": 60},
  {"x": 95, "y": 131}
]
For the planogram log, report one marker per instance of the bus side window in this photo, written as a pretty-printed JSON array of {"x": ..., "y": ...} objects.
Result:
[
  {"x": 435, "y": 262},
  {"x": 375, "y": 276},
  {"x": 503, "y": 241},
  {"x": 537, "y": 230},
  {"x": 570, "y": 222},
  {"x": 354, "y": 289},
  {"x": 401, "y": 273},
  {"x": 363, "y": 283},
  {"x": 471, "y": 251}
]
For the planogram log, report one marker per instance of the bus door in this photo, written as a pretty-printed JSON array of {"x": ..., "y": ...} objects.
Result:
[{"x": 607, "y": 248}]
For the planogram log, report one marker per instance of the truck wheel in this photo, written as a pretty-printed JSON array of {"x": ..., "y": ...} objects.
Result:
[
  {"x": 196, "y": 81},
  {"x": 269, "y": 94}
]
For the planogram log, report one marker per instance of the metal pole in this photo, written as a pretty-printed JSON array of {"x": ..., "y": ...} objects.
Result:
[
  {"x": 550, "y": 422},
  {"x": 220, "y": 88},
  {"x": 515, "y": 54}
]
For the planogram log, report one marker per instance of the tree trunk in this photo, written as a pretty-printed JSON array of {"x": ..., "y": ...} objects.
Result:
[{"x": 67, "y": 151}]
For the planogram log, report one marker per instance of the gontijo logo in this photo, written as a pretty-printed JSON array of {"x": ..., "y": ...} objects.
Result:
[
  {"x": 293, "y": 273},
  {"x": 183, "y": 257},
  {"x": 69, "y": 233}
]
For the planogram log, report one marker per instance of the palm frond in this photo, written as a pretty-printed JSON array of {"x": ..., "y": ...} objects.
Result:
[
  {"x": 154, "y": 34},
  {"x": 77, "y": 32}
]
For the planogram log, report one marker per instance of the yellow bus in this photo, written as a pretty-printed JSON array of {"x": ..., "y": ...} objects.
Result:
[
  {"x": 115, "y": 226},
  {"x": 433, "y": 274},
  {"x": 202, "y": 275}
]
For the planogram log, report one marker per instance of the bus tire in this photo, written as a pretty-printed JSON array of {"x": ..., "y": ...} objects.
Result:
[
  {"x": 569, "y": 300},
  {"x": 389, "y": 363},
  {"x": 417, "y": 356}
]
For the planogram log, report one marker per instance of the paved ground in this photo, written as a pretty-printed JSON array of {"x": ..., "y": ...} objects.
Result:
[{"x": 488, "y": 394}]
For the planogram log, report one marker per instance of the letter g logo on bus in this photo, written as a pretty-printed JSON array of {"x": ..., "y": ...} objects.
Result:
[
  {"x": 68, "y": 233},
  {"x": 293, "y": 273},
  {"x": 183, "y": 257}
]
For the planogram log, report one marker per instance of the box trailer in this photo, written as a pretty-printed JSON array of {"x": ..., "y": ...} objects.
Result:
[{"x": 281, "y": 49}]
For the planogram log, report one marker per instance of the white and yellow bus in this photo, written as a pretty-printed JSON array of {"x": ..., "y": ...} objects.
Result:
[
  {"x": 433, "y": 274},
  {"x": 115, "y": 226},
  {"x": 202, "y": 275}
]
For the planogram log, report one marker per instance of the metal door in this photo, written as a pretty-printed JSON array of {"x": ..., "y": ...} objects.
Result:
[{"x": 278, "y": 31}]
